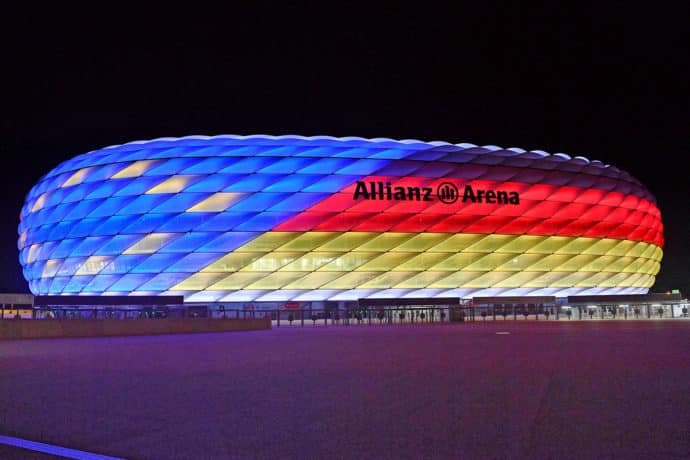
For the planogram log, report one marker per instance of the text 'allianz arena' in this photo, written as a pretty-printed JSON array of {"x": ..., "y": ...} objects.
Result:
[{"x": 291, "y": 218}]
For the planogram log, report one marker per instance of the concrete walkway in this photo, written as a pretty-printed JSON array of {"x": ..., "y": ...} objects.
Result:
[{"x": 600, "y": 389}]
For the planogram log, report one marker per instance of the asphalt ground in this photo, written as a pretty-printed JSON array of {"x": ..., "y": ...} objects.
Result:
[{"x": 556, "y": 390}]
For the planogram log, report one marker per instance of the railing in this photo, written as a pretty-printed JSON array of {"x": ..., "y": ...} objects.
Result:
[{"x": 366, "y": 316}]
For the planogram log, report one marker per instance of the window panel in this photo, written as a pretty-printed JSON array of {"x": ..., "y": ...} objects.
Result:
[
  {"x": 151, "y": 243},
  {"x": 237, "y": 280},
  {"x": 457, "y": 243},
  {"x": 311, "y": 261},
  {"x": 271, "y": 261},
  {"x": 385, "y": 242},
  {"x": 308, "y": 241},
  {"x": 351, "y": 280},
  {"x": 268, "y": 241},
  {"x": 198, "y": 281},
  {"x": 313, "y": 280},
  {"x": 349, "y": 261},
  {"x": 423, "y": 261},
  {"x": 275, "y": 280},
  {"x": 94, "y": 265},
  {"x": 422, "y": 242},
  {"x": 233, "y": 262},
  {"x": 172, "y": 184},
  {"x": 347, "y": 241},
  {"x": 136, "y": 169},
  {"x": 387, "y": 261},
  {"x": 387, "y": 280},
  {"x": 217, "y": 202}
]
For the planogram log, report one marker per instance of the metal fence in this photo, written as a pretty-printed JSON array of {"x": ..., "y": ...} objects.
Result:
[{"x": 367, "y": 316}]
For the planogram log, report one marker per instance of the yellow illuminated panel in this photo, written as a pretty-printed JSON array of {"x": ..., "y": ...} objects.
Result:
[
  {"x": 387, "y": 261},
  {"x": 619, "y": 264},
  {"x": 233, "y": 262},
  {"x": 622, "y": 248},
  {"x": 634, "y": 265},
  {"x": 518, "y": 279},
  {"x": 387, "y": 280},
  {"x": 459, "y": 261},
  {"x": 351, "y": 280},
  {"x": 653, "y": 252},
  {"x": 576, "y": 262},
  {"x": 237, "y": 280},
  {"x": 491, "y": 243},
  {"x": 32, "y": 253},
  {"x": 637, "y": 249},
  {"x": 51, "y": 267},
  {"x": 487, "y": 279},
  {"x": 545, "y": 279},
  {"x": 275, "y": 280},
  {"x": 457, "y": 243},
  {"x": 346, "y": 241},
  {"x": 77, "y": 177},
  {"x": 38, "y": 205},
  {"x": 172, "y": 185},
  {"x": 349, "y": 261},
  {"x": 422, "y": 242},
  {"x": 577, "y": 245},
  {"x": 520, "y": 262},
  {"x": 271, "y": 261},
  {"x": 489, "y": 262},
  {"x": 551, "y": 262},
  {"x": 617, "y": 279},
  {"x": 420, "y": 280},
  {"x": 644, "y": 281},
  {"x": 456, "y": 279},
  {"x": 313, "y": 280},
  {"x": 423, "y": 261},
  {"x": 551, "y": 244},
  {"x": 650, "y": 267},
  {"x": 600, "y": 247},
  {"x": 197, "y": 281},
  {"x": 268, "y": 241},
  {"x": 22, "y": 239},
  {"x": 312, "y": 261},
  {"x": 150, "y": 243},
  {"x": 309, "y": 241},
  {"x": 572, "y": 279},
  {"x": 136, "y": 169},
  {"x": 217, "y": 202},
  {"x": 598, "y": 264},
  {"x": 385, "y": 242}
]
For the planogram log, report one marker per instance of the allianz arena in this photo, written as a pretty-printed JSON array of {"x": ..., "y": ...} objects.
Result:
[{"x": 291, "y": 218}]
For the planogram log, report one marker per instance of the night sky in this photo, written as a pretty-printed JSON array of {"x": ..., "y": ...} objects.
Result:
[{"x": 609, "y": 83}]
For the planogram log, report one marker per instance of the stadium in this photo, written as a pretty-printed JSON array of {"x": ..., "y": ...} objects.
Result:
[{"x": 273, "y": 219}]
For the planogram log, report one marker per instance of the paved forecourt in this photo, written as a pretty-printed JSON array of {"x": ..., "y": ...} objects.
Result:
[{"x": 477, "y": 390}]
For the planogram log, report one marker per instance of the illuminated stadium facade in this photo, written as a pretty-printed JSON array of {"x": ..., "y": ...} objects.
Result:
[{"x": 310, "y": 219}]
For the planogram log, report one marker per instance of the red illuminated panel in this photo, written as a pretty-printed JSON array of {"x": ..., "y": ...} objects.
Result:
[
  {"x": 342, "y": 222},
  {"x": 519, "y": 226},
  {"x": 418, "y": 223},
  {"x": 304, "y": 221},
  {"x": 488, "y": 224}
]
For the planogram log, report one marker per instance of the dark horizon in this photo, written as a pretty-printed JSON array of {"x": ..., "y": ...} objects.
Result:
[{"x": 607, "y": 85}]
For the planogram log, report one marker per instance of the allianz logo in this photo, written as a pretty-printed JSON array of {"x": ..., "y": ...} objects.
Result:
[{"x": 446, "y": 192}]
